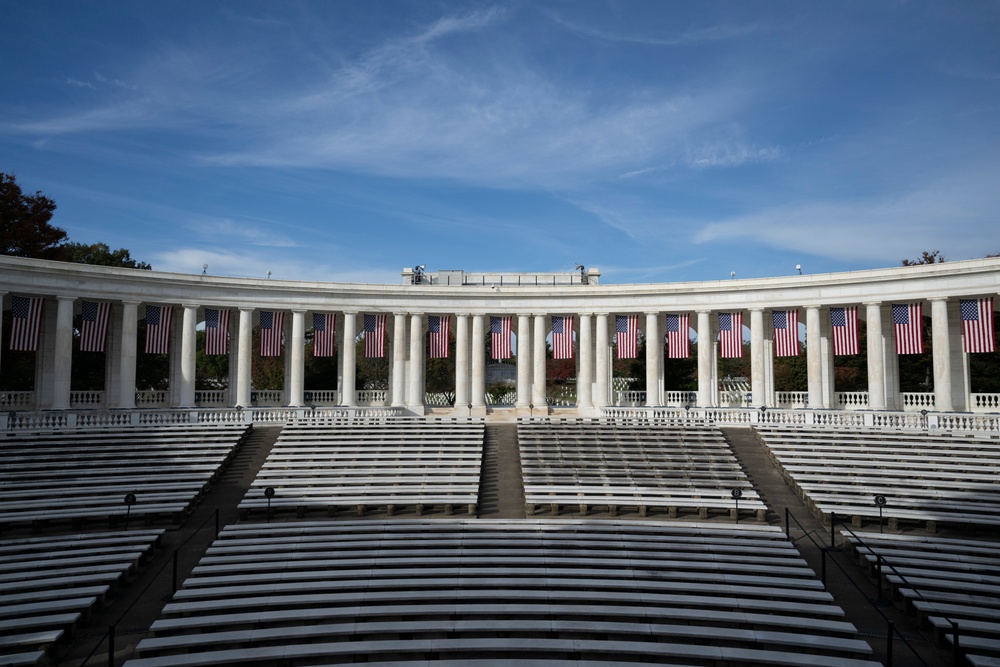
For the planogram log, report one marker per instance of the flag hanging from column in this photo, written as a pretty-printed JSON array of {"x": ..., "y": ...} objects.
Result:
[
  {"x": 562, "y": 337},
  {"x": 158, "y": 320},
  {"x": 678, "y": 336},
  {"x": 786, "y": 332},
  {"x": 844, "y": 323},
  {"x": 272, "y": 329},
  {"x": 324, "y": 328},
  {"x": 216, "y": 331},
  {"x": 500, "y": 332},
  {"x": 26, "y": 312},
  {"x": 977, "y": 325},
  {"x": 909, "y": 323},
  {"x": 94, "y": 325},
  {"x": 439, "y": 329},
  {"x": 374, "y": 328},
  {"x": 731, "y": 335},
  {"x": 627, "y": 336}
]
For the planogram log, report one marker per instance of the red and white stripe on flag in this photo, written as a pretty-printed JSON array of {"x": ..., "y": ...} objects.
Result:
[
  {"x": 374, "y": 328},
  {"x": 94, "y": 318},
  {"x": 731, "y": 335},
  {"x": 977, "y": 325},
  {"x": 439, "y": 331},
  {"x": 562, "y": 337},
  {"x": 844, "y": 324},
  {"x": 216, "y": 331},
  {"x": 272, "y": 329},
  {"x": 500, "y": 333},
  {"x": 786, "y": 332},
  {"x": 909, "y": 323},
  {"x": 26, "y": 327},
  {"x": 627, "y": 336},
  {"x": 678, "y": 336},
  {"x": 324, "y": 330},
  {"x": 158, "y": 319}
]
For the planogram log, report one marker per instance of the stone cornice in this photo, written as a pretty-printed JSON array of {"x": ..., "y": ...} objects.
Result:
[{"x": 970, "y": 278}]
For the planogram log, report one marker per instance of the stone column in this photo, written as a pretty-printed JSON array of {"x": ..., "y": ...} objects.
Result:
[
  {"x": 961, "y": 391},
  {"x": 462, "y": 362},
  {"x": 3, "y": 296},
  {"x": 297, "y": 354},
  {"x": 941, "y": 349},
  {"x": 654, "y": 360},
  {"x": 876, "y": 364},
  {"x": 348, "y": 397},
  {"x": 126, "y": 365},
  {"x": 416, "y": 392},
  {"x": 185, "y": 389},
  {"x": 602, "y": 362},
  {"x": 706, "y": 393},
  {"x": 758, "y": 387},
  {"x": 585, "y": 378},
  {"x": 814, "y": 357},
  {"x": 63, "y": 353},
  {"x": 826, "y": 357},
  {"x": 524, "y": 363},
  {"x": 244, "y": 358},
  {"x": 478, "y": 399},
  {"x": 399, "y": 347},
  {"x": 538, "y": 372}
]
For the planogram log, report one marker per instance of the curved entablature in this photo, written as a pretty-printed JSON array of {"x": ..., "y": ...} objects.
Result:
[{"x": 962, "y": 279}]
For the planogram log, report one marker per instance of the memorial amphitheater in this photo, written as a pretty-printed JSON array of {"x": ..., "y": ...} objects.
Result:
[{"x": 721, "y": 523}]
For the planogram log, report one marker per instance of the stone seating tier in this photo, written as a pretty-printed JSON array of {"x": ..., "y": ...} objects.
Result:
[{"x": 488, "y": 591}]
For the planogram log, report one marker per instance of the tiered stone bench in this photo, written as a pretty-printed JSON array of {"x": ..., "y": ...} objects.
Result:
[
  {"x": 588, "y": 464},
  {"x": 489, "y": 592},
  {"x": 943, "y": 580},
  {"x": 929, "y": 479},
  {"x": 83, "y": 475},
  {"x": 388, "y": 465},
  {"x": 48, "y": 585}
]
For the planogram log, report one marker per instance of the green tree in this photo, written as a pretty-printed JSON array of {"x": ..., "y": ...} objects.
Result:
[
  {"x": 100, "y": 254},
  {"x": 24, "y": 223}
]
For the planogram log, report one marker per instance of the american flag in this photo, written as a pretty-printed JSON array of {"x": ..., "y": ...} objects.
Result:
[
  {"x": 438, "y": 328},
  {"x": 94, "y": 326},
  {"x": 272, "y": 328},
  {"x": 627, "y": 336},
  {"x": 786, "y": 332},
  {"x": 678, "y": 336},
  {"x": 844, "y": 322},
  {"x": 158, "y": 320},
  {"x": 216, "y": 331},
  {"x": 324, "y": 327},
  {"x": 977, "y": 325},
  {"x": 500, "y": 328},
  {"x": 562, "y": 337},
  {"x": 909, "y": 323},
  {"x": 374, "y": 336},
  {"x": 26, "y": 328},
  {"x": 731, "y": 335}
]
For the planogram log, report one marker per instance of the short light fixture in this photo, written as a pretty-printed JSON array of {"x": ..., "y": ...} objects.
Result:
[
  {"x": 732, "y": 274},
  {"x": 798, "y": 267},
  {"x": 268, "y": 275},
  {"x": 204, "y": 268}
]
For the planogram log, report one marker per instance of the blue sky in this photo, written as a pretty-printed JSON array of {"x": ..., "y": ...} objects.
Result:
[{"x": 659, "y": 141}]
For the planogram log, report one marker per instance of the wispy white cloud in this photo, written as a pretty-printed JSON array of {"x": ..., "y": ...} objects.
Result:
[
  {"x": 257, "y": 264},
  {"x": 688, "y": 37},
  {"x": 882, "y": 229}
]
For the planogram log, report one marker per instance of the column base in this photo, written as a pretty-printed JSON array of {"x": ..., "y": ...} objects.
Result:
[
  {"x": 477, "y": 411},
  {"x": 419, "y": 410}
]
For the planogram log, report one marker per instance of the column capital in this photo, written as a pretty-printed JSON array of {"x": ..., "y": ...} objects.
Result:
[
  {"x": 350, "y": 312},
  {"x": 299, "y": 311},
  {"x": 195, "y": 306},
  {"x": 870, "y": 304},
  {"x": 130, "y": 302},
  {"x": 246, "y": 309},
  {"x": 652, "y": 313},
  {"x": 66, "y": 298},
  {"x": 938, "y": 298}
]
